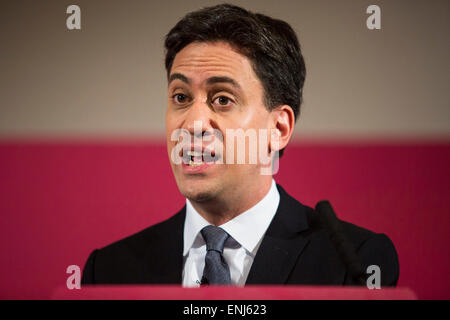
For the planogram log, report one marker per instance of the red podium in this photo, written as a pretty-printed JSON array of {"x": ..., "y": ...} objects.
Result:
[{"x": 171, "y": 292}]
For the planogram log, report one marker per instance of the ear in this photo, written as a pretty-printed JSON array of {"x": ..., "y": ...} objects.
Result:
[{"x": 283, "y": 120}]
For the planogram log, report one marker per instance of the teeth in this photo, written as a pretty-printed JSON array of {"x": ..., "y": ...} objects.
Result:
[
  {"x": 194, "y": 154},
  {"x": 192, "y": 163}
]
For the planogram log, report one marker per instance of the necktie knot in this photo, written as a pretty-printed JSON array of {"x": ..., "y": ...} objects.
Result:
[{"x": 215, "y": 238}]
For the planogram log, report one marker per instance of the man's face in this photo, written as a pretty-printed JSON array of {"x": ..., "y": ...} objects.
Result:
[{"x": 214, "y": 84}]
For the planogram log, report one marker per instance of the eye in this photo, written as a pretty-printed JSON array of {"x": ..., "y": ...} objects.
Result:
[
  {"x": 222, "y": 101},
  {"x": 179, "y": 98}
]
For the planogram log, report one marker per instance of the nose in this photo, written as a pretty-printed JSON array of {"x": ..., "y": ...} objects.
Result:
[{"x": 199, "y": 119}]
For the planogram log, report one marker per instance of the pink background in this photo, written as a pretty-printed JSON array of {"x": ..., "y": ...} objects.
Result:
[{"x": 60, "y": 200}]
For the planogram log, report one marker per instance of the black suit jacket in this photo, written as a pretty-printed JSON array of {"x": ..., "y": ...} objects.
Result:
[{"x": 296, "y": 249}]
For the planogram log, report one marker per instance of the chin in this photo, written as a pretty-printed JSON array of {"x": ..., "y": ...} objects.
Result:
[{"x": 197, "y": 193}]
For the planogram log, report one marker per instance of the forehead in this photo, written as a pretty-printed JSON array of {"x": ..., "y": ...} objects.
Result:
[{"x": 201, "y": 60}]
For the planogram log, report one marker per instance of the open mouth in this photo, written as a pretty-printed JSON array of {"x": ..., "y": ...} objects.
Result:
[{"x": 196, "y": 158}]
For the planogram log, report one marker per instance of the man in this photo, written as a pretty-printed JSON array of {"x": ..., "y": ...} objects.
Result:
[{"x": 228, "y": 70}]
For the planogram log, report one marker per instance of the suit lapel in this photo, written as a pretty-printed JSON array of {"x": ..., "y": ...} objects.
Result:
[
  {"x": 275, "y": 259},
  {"x": 282, "y": 245}
]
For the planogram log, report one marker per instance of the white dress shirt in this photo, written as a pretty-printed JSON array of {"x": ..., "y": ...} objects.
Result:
[{"x": 246, "y": 231}]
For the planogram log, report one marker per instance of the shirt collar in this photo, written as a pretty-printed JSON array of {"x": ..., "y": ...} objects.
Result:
[{"x": 257, "y": 218}]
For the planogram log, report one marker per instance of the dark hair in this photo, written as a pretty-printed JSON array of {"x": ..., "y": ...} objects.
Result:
[{"x": 270, "y": 44}]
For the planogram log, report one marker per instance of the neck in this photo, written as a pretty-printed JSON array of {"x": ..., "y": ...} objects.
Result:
[{"x": 218, "y": 211}]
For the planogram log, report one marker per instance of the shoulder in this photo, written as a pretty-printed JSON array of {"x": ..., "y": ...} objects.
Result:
[
  {"x": 124, "y": 261},
  {"x": 313, "y": 222},
  {"x": 154, "y": 233},
  {"x": 356, "y": 235},
  {"x": 371, "y": 247}
]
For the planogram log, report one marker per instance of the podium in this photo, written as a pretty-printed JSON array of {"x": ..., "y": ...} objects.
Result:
[{"x": 253, "y": 292}]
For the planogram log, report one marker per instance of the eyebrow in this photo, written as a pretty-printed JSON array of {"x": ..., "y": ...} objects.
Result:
[
  {"x": 180, "y": 77},
  {"x": 209, "y": 81},
  {"x": 214, "y": 80}
]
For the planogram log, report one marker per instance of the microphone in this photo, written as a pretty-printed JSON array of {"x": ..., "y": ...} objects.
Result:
[{"x": 345, "y": 250}]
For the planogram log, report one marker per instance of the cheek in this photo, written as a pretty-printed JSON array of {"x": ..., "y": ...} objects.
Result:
[
  {"x": 171, "y": 124},
  {"x": 256, "y": 118},
  {"x": 168, "y": 120},
  {"x": 169, "y": 130}
]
